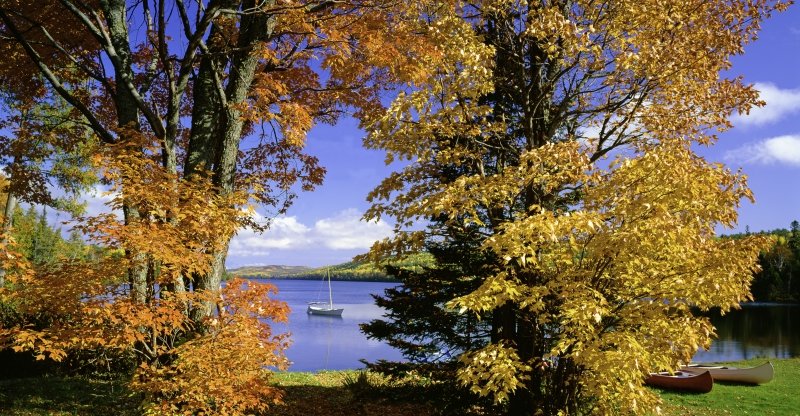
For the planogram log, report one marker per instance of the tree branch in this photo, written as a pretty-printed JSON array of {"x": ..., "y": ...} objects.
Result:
[{"x": 98, "y": 128}]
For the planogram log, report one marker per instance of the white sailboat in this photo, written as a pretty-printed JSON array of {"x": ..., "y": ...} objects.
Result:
[{"x": 322, "y": 308}]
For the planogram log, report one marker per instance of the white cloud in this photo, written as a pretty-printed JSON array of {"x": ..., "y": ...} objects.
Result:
[
  {"x": 780, "y": 103},
  {"x": 347, "y": 231},
  {"x": 284, "y": 233},
  {"x": 343, "y": 231},
  {"x": 97, "y": 200},
  {"x": 781, "y": 149}
]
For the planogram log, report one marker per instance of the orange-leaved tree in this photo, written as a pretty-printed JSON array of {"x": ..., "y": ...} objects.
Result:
[
  {"x": 558, "y": 136},
  {"x": 201, "y": 110},
  {"x": 87, "y": 307},
  {"x": 200, "y": 77}
]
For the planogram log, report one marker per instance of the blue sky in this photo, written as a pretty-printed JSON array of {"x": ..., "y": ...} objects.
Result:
[
  {"x": 766, "y": 144},
  {"x": 323, "y": 227}
]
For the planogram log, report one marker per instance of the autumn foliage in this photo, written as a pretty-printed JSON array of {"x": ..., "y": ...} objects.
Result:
[
  {"x": 559, "y": 138},
  {"x": 195, "y": 115},
  {"x": 226, "y": 369},
  {"x": 88, "y": 304},
  {"x": 560, "y": 134}
]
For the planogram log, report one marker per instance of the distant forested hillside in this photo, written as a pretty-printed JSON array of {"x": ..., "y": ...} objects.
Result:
[
  {"x": 779, "y": 277},
  {"x": 357, "y": 271}
]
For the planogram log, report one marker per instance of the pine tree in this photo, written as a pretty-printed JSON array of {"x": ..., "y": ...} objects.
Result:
[{"x": 417, "y": 322}]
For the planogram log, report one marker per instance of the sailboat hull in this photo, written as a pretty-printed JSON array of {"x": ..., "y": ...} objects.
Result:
[{"x": 322, "y": 310}]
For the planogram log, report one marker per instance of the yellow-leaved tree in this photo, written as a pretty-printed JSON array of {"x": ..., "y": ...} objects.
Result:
[{"x": 564, "y": 132}]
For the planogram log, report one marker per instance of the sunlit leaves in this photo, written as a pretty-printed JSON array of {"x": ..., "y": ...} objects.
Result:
[
  {"x": 563, "y": 133},
  {"x": 225, "y": 370},
  {"x": 495, "y": 370},
  {"x": 620, "y": 272},
  {"x": 87, "y": 303}
]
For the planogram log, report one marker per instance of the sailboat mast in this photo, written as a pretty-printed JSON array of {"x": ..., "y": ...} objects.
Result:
[{"x": 330, "y": 291}]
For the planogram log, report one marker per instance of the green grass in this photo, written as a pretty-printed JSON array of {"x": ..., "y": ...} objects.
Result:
[
  {"x": 781, "y": 396},
  {"x": 328, "y": 393},
  {"x": 61, "y": 396}
]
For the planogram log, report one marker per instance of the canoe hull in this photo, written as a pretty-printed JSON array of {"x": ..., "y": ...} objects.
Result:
[
  {"x": 698, "y": 383},
  {"x": 753, "y": 375}
]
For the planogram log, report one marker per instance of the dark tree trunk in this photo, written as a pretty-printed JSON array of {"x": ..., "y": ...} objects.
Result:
[
  {"x": 255, "y": 28},
  {"x": 127, "y": 117}
]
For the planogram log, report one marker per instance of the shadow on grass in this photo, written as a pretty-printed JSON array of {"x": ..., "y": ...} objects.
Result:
[
  {"x": 339, "y": 401},
  {"x": 51, "y": 395},
  {"x": 736, "y": 384},
  {"x": 674, "y": 392}
]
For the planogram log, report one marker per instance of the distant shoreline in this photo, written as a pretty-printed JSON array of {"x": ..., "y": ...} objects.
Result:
[
  {"x": 353, "y": 271},
  {"x": 375, "y": 279}
]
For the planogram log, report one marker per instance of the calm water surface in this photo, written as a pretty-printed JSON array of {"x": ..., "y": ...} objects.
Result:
[
  {"x": 327, "y": 342},
  {"x": 332, "y": 343},
  {"x": 758, "y": 330}
]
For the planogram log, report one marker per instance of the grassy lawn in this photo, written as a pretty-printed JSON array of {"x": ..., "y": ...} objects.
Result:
[
  {"x": 306, "y": 394},
  {"x": 328, "y": 393},
  {"x": 781, "y": 396},
  {"x": 59, "y": 396}
]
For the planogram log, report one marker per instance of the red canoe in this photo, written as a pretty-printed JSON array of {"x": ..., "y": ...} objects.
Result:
[{"x": 699, "y": 383}]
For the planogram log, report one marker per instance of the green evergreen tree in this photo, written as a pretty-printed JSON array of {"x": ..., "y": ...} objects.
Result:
[
  {"x": 74, "y": 247},
  {"x": 45, "y": 241},
  {"x": 417, "y": 322},
  {"x": 429, "y": 335},
  {"x": 774, "y": 282},
  {"x": 794, "y": 237},
  {"x": 42, "y": 243},
  {"x": 794, "y": 266}
]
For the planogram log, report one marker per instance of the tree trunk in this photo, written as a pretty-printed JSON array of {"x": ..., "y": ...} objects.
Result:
[
  {"x": 8, "y": 221},
  {"x": 127, "y": 117},
  {"x": 255, "y": 28},
  {"x": 523, "y": 401},
  {"x": 206, "y": 111},
  {"x": 137, "y": 271}
]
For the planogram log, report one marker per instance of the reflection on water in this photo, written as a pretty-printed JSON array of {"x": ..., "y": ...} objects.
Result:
[
  {"x": 331, "y": 342},
  {"x": 755, "y": 331},
  {"x": 335, "y": 343}
]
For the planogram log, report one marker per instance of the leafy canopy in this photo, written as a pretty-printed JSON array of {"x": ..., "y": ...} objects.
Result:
[{"x": 572, "y": 126}]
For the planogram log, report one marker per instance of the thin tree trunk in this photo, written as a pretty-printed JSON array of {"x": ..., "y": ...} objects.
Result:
[
  {"x": 127, "y": 117},
  {"x": 8, "y": 221}
]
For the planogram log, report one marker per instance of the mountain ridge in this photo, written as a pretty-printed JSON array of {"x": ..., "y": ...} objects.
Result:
[{"x": 352, "y": 270}]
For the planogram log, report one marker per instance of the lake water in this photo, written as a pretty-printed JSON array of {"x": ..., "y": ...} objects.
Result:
[
  {"x": 758, "y": 330},
  {"x": 327, "y": 342},
  {"x": 333, "y": 343}
]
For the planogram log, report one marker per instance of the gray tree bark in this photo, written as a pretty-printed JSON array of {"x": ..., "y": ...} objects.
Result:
[
  {"x": 127, "y": 117},
  {"x": 255, "y": 28},
  {"x": 8, "y": 221}
]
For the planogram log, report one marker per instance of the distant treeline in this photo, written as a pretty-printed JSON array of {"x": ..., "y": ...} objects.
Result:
[
  {"x": 361, "y": 271},
  {"x": 347, "y": 276},
  {"x": 43, "y": 244},
  {"x": 779, "y": 278}
]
